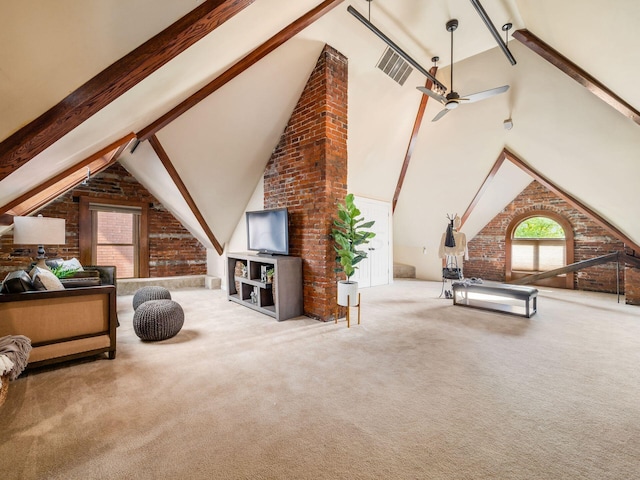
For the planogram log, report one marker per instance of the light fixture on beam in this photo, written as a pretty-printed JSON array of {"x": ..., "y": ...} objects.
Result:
[
  {"x": 437, "y": 88},
  {"x": 86, "y": 180},
  {"x": 505, "y": 28},
  {"x": 492, "y": 29}
]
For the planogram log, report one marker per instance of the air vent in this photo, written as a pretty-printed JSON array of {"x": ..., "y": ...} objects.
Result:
[{"x": 395, "y": 66}]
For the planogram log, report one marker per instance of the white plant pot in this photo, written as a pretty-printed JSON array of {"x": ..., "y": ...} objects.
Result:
[{"x": 345, "y": 290}]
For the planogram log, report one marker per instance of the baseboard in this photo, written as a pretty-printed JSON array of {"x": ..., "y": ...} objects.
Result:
[{"x": 128, "y": 286}]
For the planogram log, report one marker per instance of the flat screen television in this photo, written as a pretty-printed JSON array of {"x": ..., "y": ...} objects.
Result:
[{"x": 268, "y": 231}]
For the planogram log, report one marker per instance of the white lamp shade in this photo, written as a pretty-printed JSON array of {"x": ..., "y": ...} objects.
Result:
[{"x": 38, "y": 231}]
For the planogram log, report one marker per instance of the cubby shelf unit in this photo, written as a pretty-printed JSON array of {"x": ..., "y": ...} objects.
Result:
[{"x": 281, "y": 299}]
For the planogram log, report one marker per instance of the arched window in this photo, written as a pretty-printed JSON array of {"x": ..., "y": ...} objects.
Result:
[{"x": 537, "y": 242}]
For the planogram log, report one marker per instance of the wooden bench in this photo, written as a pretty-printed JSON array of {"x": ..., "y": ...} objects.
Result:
[{"x": 513, "y": 299}]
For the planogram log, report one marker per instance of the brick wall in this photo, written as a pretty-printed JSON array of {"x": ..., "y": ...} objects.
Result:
[
  {"x": 172, "y": 249},
  {"x": 632, "y": 285},
  {"x": 307, "y": 173},
  {"x": 487, "y": 248}
]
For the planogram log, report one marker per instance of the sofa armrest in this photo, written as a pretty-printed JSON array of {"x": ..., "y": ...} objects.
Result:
[{"x": 107, "y": 273}]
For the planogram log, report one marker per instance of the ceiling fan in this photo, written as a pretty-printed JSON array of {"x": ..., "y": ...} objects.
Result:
[{"x": 452, "y": 99}]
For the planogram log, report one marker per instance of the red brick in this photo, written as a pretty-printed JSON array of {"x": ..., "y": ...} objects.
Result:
[
  {"x": 487, "y": 248},
  {"x": 173, "y": 250},
  {"x": 307, "y": 173}
]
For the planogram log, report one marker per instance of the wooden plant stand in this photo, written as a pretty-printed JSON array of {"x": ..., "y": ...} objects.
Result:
[{"x": 348, "y": 310}]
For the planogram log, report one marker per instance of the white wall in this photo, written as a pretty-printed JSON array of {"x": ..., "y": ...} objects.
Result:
[{"x": 216, "y": 265}]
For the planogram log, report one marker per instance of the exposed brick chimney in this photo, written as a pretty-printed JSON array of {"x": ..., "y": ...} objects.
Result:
[{"x": 307, "y": 173}]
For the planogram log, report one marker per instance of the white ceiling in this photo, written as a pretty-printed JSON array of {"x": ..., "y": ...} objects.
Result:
[{"x": 220, "y": 148}]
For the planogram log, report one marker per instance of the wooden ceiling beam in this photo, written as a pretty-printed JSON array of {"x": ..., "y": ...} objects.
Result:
[
  {"x": 39, "y": 196},
  {"x": 412, "y": 140},
  {"x": 240, "y": 66},
  {"x": 173, "y": 173},
  {"x": 565, "y": 65},
  {"x": 115, "y": 80}
]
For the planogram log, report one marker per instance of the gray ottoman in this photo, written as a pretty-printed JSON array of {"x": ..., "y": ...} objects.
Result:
[
  {"x": 145, "y": 294},
  {"x": 158, "y": 320}
]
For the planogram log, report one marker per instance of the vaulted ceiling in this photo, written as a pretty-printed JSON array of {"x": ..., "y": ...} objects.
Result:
[{"x": 206, "y": 163}]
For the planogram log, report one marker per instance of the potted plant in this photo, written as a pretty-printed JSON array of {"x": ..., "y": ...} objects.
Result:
[
  {"x": 270, "y": 273},
  {"x": 270, "y": 280},
  {"x": 350, "y": 233},
  {"x": 62, "y": 271}
]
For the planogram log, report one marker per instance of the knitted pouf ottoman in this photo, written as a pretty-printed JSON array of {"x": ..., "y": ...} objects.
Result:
[
  {"x": 158, "y": 320},
  {"x": 145, "y": 294}
]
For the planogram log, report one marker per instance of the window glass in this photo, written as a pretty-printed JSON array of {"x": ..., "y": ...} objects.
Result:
[
  {"x": 539, "y": 227},
  {"x": 550, "y": 257},
  {"x": 538, "y": 245},
  {"x": 115, "y": 227},
  {"x": 522, "y": 257},
  {"x": 116, "y": 241}
]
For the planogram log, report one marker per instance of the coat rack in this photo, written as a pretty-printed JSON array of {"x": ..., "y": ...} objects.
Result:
[{"x": 449, "y": 251}]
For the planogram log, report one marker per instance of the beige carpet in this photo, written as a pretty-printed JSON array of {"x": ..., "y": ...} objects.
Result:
[{"x": 420, "y": 390}]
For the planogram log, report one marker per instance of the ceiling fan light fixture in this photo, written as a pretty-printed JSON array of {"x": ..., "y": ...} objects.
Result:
[{"x": 452, "y": 100}]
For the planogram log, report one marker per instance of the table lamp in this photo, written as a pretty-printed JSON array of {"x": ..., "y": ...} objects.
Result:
[{"x": 39, "y": 231}]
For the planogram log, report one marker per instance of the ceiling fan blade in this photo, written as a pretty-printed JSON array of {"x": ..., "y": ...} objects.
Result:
[
  {"x": 441, "y": 114},
  {"x": 475, "y": 97},
  {"x": 432, "y": 94}
]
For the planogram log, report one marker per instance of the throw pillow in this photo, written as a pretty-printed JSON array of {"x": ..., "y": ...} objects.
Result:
[
  {"x": 73, "y": 264},
  {"x": 17, "y": 282},
  {"x": 45, "y": 280}
]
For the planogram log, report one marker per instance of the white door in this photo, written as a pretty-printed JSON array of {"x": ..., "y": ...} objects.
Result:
[{"x": 377, "y": 267}]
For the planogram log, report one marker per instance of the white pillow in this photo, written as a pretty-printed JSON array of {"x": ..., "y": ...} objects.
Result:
[
  {"x": 73, "y": 264},
  {"x": 46, "y": 279}
]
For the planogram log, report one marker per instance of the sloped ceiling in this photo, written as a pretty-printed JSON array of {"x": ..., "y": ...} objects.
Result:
[{"x": 220, "y": 147}]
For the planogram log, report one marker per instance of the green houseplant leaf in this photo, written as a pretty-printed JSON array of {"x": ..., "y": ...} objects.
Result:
[
  {"x": 61, "y": 271},
  {"x": 349, "y": 232}
]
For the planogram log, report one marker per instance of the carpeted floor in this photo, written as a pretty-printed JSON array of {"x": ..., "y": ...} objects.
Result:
[{"x": 420, "y": 390}]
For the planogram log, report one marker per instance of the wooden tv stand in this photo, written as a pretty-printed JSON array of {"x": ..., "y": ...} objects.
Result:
[{"x": 287, "y": 283}]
